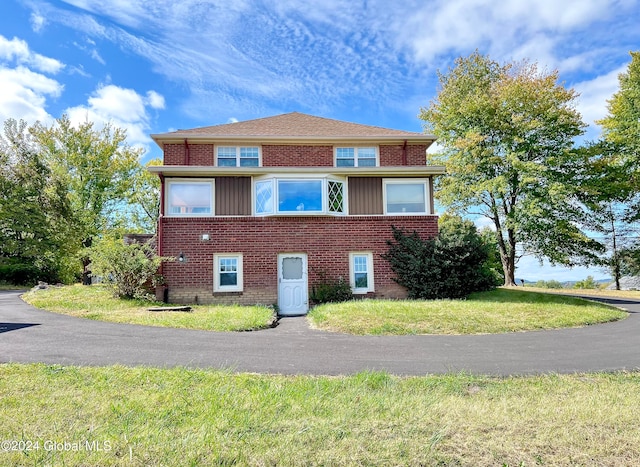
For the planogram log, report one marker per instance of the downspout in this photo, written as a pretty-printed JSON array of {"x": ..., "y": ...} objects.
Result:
[
  {"x": 187, "y": 156},
  {"x": 404, "y": 153},
  {"x": 159, "y": 237},
  {"x": 161, "y": 212}
]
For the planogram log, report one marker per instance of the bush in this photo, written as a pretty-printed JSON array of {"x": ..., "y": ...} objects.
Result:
[
  {"x": 20, "y": 273},
  {"x": 588, "y": 283},
  {"x": 128, "y": 270},
  {"x": 331, "y": 290},
  {"x": 552, "y": 284},
  {"x": 452, "y": 265}
]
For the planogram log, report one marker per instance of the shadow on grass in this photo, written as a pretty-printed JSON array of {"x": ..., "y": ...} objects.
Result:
[{"x": 505, "y": 296}]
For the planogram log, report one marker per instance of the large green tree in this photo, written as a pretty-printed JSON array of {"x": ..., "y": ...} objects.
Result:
[
  {"x": 617, "y": 168},
  {"x": 97, "y": 167},
  {"x": 507, "y": 135},
  {"x": 621, "y": 126},
  {"x": 33, "y": 209}
]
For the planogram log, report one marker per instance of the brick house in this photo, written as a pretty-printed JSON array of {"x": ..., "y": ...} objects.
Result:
[{"x": 259, "y": 211}]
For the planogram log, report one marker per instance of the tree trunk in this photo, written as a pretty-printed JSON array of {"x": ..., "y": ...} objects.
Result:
[
  {"x": 507, "y": 252},
  {"x": 86, "y": 263},
  {"x": 509, "y": 268}
]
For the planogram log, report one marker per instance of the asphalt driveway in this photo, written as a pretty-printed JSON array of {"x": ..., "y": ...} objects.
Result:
[{"x": 30, "y": 335}]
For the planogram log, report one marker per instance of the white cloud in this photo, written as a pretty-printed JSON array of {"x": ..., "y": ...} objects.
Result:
[
  {"x": 23, "y": 94},
  {"x": 509, "y": 30},
  {"x": 38, "y": 22},
  {"x": 121, "y": 107},
  {"x": 17, "y": 50},
  {"x": 595, "y": 93},
  {"x": 155, "y": 100},
  {"x": 24, "y": 87}
]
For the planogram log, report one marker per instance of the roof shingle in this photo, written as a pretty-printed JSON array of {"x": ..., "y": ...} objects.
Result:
[{"x": 294, "y": 124}]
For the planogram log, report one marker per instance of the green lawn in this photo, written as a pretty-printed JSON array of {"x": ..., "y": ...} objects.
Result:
[
  {"x": 95, "y": 302},
  {"x": 153, "y": 417},
  {"x": 497, "y": 311}
]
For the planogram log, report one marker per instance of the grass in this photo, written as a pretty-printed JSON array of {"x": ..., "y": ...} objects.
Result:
[
  {"x": 95, "y": 302},
  {"x": 153, "y": 417},
  {"x": 497, "y": 311}
]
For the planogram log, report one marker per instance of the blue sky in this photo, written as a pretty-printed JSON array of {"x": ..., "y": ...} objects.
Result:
[{"x": 152, "y": 66}]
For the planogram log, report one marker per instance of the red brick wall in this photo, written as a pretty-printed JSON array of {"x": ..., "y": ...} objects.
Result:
[
  {"x": 199, "y": 154},
  {"x": 392, "y": 155},
  {"x": 291, "y": 155},
  {"x": 297, "y": 156},
  {"x": 326, "y": 240}
]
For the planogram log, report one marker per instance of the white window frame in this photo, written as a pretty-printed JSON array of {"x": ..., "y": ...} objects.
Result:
[
  {"x": 356, "y": 157},
  {"x": 216, "y": 273},
  {"x": 238, "y": 158},
  {"x": 196, "y": 181},
  {"x": 325, "y": 179},
  {"x": 406, "y": 181},
  {"x": 352, "y": 272}
]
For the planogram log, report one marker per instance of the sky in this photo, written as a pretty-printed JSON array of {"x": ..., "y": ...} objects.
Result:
[{"x": 152, "y": 66}]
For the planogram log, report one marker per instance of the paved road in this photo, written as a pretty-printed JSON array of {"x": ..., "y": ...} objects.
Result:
[{"x": 31, "y": 335}]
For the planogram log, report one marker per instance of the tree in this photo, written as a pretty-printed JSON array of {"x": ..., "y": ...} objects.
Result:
[
  {"x": 507, "y": 134},
  {"x": 621, "y": 126},
  {"x": 618, "y": 170},
  {"x": 453, "y": 265},
  {"x": 33, "y": 208},
  {"x": 97, "y": 167}
]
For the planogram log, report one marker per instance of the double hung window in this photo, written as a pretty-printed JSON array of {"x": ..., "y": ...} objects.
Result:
[
  {"x": 227, "y": 272},
  {"x": 238, "y": 156},
  {"x": 356, "y": 157},
  {"x": 361, "y": 272}
]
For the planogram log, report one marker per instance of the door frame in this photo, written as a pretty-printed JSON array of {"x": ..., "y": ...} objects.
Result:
[{"x": 305, "y": 278}]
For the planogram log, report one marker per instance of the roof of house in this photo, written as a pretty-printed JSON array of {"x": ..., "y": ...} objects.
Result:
[{"x": 292, "y": 126}]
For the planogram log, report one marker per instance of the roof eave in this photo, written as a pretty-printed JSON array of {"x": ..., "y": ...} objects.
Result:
[
  {"x": 168, "y": 138},
  {"x": 208, "y": 171}
]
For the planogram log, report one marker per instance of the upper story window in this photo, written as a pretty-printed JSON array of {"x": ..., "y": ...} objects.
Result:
[
  {"x": 406, "y": 196},
  {"x": 238, "y": 156},
  {"x": 282, "y": 195},
  {"x": 356, "y": 157},
  {"x": 189, "y": 198}
]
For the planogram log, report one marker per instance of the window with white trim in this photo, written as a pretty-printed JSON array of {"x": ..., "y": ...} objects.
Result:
[
  {"x": 288, "y": 195},
  {"x": 238, "y": 156},
  {"x": 356, "y": 157},
  {"x": 227, "y": 272},
  {"x": 361, "y": 272},
  {"x": 406, "y": 196},
  {"x": 189, "y": 198}
]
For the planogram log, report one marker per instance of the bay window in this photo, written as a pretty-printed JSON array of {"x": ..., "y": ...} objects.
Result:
[{"x": 284, "y": 195}]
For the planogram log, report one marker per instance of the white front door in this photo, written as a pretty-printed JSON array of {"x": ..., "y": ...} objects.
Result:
[{"x": 292, "y": 284}]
